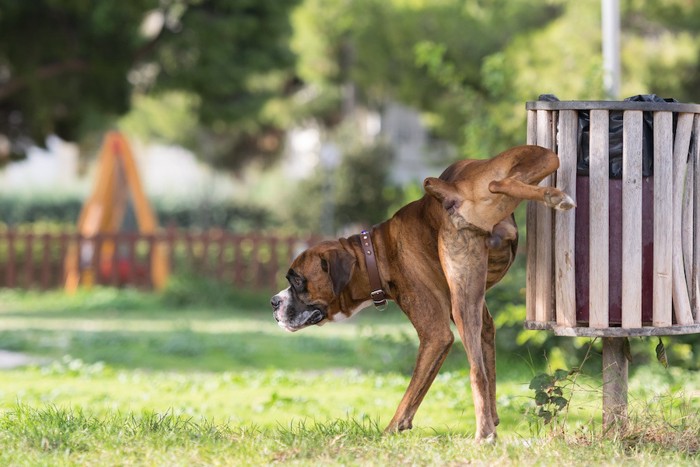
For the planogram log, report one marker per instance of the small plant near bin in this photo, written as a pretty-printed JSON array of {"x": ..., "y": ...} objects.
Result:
[{"x": 549, "y": 394}]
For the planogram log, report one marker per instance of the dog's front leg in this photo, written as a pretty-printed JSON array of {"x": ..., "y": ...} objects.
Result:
[
  {"x": 432, "y": 323},
  {"x": 464, "y": 258}
]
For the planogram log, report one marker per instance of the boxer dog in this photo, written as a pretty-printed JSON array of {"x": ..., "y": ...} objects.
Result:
[{"x": 435, "y": 258}]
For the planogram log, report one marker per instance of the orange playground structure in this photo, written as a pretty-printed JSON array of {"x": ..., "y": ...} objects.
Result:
[{"x": 117, "y": 204}]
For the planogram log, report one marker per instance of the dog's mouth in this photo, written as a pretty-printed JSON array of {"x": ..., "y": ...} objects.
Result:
[{"x": 304, "y": 319}]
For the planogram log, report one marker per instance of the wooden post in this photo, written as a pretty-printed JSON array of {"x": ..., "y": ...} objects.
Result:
[{"x": 614, "y": 384}]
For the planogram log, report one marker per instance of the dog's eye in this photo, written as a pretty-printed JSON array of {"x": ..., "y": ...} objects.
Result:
[
  {"x": 297, "y": 282},
  {"x": 324, "y": 265}
]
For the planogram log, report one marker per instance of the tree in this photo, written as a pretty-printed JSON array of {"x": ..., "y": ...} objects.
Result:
[
  {"x": 70, "y": 66},
  {"x": 393, "y": 50}
]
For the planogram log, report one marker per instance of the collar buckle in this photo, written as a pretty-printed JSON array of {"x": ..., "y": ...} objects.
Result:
[{"x": 378, "y": 295}]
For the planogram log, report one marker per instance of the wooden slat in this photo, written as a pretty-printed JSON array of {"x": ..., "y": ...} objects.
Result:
[
  {"x": 530, "y": 226},
  {"x": 238, "y": 265},
  {"x": 29, "y": 260},
  {"x": 133, "y": 260},
  {"x": 220, "y": 256},
  {"x": 272, "y": 264},
  {"x": 598, "y": 220},
  {"x": 663, "y": 209},
  {"x": 148, "y": 264},
  {"x": 565, "y": 221},
  {"x": 695, "y": 281},
  {"x": 687, "y": 223},
  {"x": 255, "y": 265},
  {"x": 116, "y": 242},
  {"x": 582, "y": 331},
  {"x": 45, "y": 271},
  {"x": 632, "y": 220},
  {"x": 531, "y": 127},
  {"x": 544, "y": 269},
  {"x": 681, "y": 299},
  {"x": 687, "y": 227}
]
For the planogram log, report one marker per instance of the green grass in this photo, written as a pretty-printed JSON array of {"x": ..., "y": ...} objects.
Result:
[{"x": 123, "y": 378}]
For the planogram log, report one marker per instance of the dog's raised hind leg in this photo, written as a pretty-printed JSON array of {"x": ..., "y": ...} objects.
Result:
[{"x": 549, "y": 196}]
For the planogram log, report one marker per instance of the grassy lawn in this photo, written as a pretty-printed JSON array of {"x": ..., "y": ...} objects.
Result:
[{"x": 123, "y": 378}]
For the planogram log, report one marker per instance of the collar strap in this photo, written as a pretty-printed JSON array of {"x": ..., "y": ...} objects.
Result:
[{"x": 375, "y": 283}]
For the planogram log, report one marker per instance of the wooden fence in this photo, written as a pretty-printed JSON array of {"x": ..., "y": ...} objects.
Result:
[{"x": 32, "y": 260}]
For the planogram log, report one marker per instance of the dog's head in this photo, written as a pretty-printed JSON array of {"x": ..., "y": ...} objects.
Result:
[{"x": 316, "y": 279}]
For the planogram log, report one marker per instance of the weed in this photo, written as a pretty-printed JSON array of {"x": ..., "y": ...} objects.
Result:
[{"x": 549, "y": 397}]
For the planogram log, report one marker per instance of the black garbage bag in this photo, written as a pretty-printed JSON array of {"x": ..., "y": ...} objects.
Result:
[{"x": 615, "y": 137}]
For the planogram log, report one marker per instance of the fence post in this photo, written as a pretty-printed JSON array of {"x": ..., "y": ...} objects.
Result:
[{"x": 11, "y": 272}]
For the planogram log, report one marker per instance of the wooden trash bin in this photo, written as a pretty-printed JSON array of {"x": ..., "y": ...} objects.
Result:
[{"x": 631, "y": 235}]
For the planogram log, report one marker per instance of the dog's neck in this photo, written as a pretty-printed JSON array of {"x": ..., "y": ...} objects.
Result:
[{"x": 359, "y": 289}]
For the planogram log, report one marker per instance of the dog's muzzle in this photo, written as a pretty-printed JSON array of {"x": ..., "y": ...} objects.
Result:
[{"x": 294, "y": 316}]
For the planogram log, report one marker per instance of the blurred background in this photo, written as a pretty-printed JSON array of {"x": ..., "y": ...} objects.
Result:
[
  {"x": 267, "y": 111},
  {"x": 259, "y": 126}
]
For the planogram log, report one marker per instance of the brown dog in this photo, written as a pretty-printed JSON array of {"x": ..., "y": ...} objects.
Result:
[{"x": 435, "y": 258}]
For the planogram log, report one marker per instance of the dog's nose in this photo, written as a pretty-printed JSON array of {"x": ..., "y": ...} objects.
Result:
[{"x": 276, "y": 301}]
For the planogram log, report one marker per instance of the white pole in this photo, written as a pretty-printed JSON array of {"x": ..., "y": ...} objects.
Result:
[{"x": 611, "y": 48}]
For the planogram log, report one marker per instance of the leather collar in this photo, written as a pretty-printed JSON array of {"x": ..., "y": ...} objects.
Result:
[{"x": 375, "y": 283}]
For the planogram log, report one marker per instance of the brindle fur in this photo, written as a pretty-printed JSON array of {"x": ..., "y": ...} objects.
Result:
[{"x": 436, "y": 258}]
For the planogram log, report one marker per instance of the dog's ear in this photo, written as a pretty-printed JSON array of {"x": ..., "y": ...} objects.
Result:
[
  {"x": 443, "y": 191},
  {"x": 339, "y": 265}
]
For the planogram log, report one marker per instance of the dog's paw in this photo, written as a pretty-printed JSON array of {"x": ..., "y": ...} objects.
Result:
[
  {"x": 559, "y": 201},
  {"x": 396, "y": 427},
  {"x": 486, "y": 439}
]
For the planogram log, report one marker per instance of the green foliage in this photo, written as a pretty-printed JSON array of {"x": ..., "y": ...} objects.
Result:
[
  {"x": 186, "y": 290},
  {"x": 363, "y": 192},
  {"x": 233, "y": 216},
  {"x": 549, "y": 396},
  {"x": 60, "y": 74},
  {"x": 237, "y": 217},
  {"x": 360, "y": 190},
  {"x": 77, "y": 69},
  {"x": 470, "y": 68},
  {"x": 227, "y": 77},
  {"x": 24, "y": 210},
  {"x": 170, "y": 117},
  {"x": 429, "y": 55}
]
